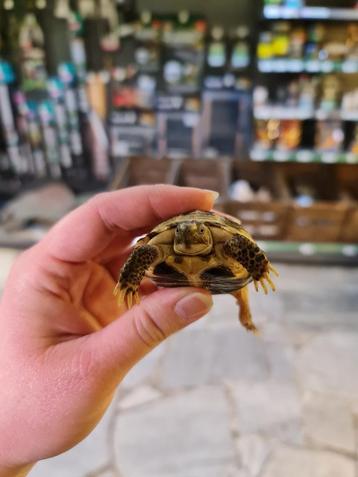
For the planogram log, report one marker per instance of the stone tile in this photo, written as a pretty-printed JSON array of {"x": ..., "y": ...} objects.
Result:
[
  {"x": 297, "y": 334},
  {"x": 223, "y": 312},
  {"x": 146, "y": 369},
  {"x": 90, "y": 454},
  {"x": 105, "y": 473},
  {"x": 305, "y": 277},
  {"x": 184, "y": 434},
  {"x": 286, "y": 461},
  {"x": 281, "y": 359},
  {"x": 326, "y": 295},
  {"x": 268, "y": 307},
  {"x": 138, "y": 396},
  {"x": 270, "y": 408},
  {"x": 328, "y": 423},
  {"x": 354, "y": 410},
  {"x": 205, "y": 356},
  {"x": 314, "y": 297},
  {"x": 226, "y": 312},
  {"x": 328, "y": 364},
  {"x": 253, "y": 451},
  {"x": 319, "y": 321},
  {"x": 227, "y": 471}
]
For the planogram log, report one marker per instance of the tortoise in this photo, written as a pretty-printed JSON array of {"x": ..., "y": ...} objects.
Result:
[{"x": 198, "y": 249}]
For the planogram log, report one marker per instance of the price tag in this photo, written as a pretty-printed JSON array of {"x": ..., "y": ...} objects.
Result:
[
  {"x": 313, "y": 66},
  {"x": 304, "y": 156},
  {"x": 349, "y": 116},
  {"x": 295, "y": 66},
  {"x": 266, "y": 66},
  {"x": 259, "y": 155},
  {"x": 327, "y": 66},
  {"x": 307, "y": 249},
  {"x": 350, "y": 66},
  {"x": 281, "y": 156},
  {"x": 329, "y": 157},
  {"x": 281, "y": 66},
  {"x": 263, "y": 112},
  {"x": 351, "y": 158},
  {"x": 350, "y": 250}
]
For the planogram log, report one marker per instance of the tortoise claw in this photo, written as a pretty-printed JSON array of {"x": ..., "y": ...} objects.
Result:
[
  {"x": 126, "y": 296},
  {"x": 273, "y": 270},
  {"x": 266, "y": 278}
]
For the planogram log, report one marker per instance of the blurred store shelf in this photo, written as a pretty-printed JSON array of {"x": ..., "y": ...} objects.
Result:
[
  {"x": 303, "y": 155},
  {"x": 324, "y": 253},
  {"x": 276, "y": 12},
  {"x": 282, "y": 112},
  {"x": 292, "y": 65}
]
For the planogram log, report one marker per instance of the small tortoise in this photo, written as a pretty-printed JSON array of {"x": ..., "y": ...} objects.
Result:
[{"x": 198, "y": 249}]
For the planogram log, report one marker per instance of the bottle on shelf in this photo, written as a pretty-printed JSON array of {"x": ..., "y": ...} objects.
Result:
[
  {"x": 32, "y": 54},
  {"x": 240, "y": 51},
  {"x": 217, "y": 52}
]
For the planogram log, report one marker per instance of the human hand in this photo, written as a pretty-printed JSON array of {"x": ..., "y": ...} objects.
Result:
[{"x": 63, "y": 346}]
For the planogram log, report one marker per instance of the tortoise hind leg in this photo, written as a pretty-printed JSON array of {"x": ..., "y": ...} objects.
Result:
[
  {"x": 242, "y": 297},
  {"x": 133, "y": 273}
]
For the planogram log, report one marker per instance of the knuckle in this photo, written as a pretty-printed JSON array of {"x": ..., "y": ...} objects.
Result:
[{"x": 147, "y": 329}]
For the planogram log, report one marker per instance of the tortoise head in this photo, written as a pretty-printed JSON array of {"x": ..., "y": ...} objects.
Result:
[{"x": 192, "y": 238}]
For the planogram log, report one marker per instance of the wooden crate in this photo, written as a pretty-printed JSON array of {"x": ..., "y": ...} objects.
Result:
[
  {"x": 144, "y": 170},
  {"x": 349, "y": 231},
  {"x": 321, "y": 222},
  {"x": 262, "y": 174},
  {"x": 347, "y": 179},
  {"x": 320, "y": 179},
  {"x": 265, "y": 221},
  {"x": 214, "y": 174}
]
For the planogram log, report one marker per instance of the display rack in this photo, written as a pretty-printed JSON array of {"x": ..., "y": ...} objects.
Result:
[
  {"x": 277, "y": 12},
  {"x": 305, "y": 155},
  {"x": 173, "y": 104},
  {"x": 294, "y": 61},
  {"x": 273, "y": 72},
  {"x": 307, "y": 252}
]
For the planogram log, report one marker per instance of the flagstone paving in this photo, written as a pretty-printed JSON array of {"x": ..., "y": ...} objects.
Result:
[{"x": 215, "y": 401}]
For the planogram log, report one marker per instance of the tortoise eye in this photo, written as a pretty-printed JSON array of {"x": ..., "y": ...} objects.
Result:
[{"x": 202, "y": 229}]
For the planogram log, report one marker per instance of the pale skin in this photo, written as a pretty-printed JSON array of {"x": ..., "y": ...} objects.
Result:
[{"x": 64, "y": 344}]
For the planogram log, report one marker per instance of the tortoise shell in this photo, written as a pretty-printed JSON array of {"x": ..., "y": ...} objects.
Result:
[
  {"x": 198, "y": 249},
  {"x": 211, "y": 271}
]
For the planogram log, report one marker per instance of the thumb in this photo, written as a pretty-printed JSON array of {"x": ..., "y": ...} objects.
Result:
[{"x": 128, "y": 339}]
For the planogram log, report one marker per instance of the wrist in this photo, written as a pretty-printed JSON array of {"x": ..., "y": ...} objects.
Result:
[{"x": 15, "y": 471}]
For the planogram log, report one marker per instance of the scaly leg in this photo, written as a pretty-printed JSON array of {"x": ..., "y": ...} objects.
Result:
[
  {"x": 242, "y": 297},
  {"x": 133, "y": 273},
  {"x": 246, "y": 252}
]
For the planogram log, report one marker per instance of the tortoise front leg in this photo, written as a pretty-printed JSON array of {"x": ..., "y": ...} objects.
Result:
[
  {"x": 242, "y": 297},
  {"x": 133, "y": 273},
  {"x": 246, "y": 252}
]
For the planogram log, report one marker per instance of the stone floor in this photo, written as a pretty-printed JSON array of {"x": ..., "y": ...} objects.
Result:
[{"x": 215, "y": 401}]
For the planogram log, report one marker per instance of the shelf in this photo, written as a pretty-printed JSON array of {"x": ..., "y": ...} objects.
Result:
[
  {"x": 328, "y": 253},
  {"x": 286, "y": 112},
  {"x": 275, "y": 12},
  {"x": 289, "y": 65},
  {"x": 304, "y": 156}
]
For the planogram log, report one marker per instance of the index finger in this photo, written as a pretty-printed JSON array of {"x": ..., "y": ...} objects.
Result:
[{"x": 89, "y": 229}]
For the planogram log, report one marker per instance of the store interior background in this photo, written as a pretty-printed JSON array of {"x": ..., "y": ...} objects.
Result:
[
  {"x": 265, "y": 114},
  {"x": 277, "y": 136}
]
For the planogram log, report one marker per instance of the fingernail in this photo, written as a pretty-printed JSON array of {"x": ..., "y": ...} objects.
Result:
[
  {"x": 214, "y": 195},
  {"x": 193, "y": 306}
]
